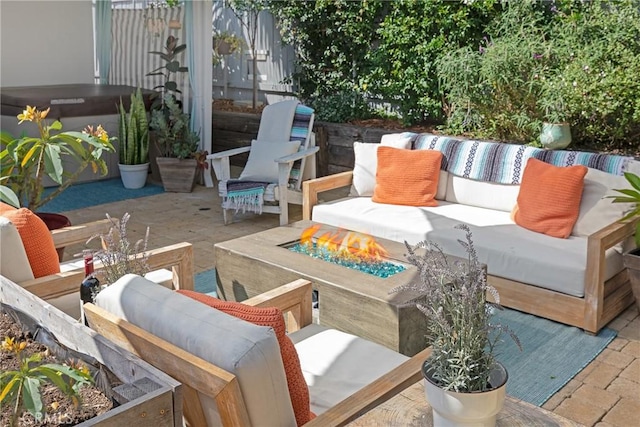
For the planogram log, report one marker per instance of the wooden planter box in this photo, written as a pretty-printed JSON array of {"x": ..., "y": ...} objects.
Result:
[
  {"x": 147, "y": 396},
  {"x": 178, "y": 175}
]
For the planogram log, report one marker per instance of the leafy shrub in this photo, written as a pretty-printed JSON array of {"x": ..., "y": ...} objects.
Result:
[
  {"x": 343, "y": 106},
  {"x": 494, "y": 90},
  {"x": 411, "y": 37},
  {"x": 600, "y": 73},
  {"x": 543, "y": 63}
]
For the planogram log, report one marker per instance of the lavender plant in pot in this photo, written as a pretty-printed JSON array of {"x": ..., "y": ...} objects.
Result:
[{"x": 464, "y": 383}]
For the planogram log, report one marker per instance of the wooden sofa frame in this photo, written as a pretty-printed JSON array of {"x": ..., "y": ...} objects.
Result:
[
  {"x": 199, "y": 375},
  {"x": 602, "y": 301},
  {"x": 177, "y": 257}
]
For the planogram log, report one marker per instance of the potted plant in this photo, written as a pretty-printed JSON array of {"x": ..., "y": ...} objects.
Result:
[
  {"x": 631, "y": 258},
  {"x": 25, "y": 161},
  {"x": 118, "y": 255},
  {"x": 177, "y": 146},
  {"x": 170, "y": 71},
  {"x": 464, "y": 382},
  {"x": 226, "y": 43},
  {"x": 556, "y": 130},
  {"x": 133, "y": 139}
]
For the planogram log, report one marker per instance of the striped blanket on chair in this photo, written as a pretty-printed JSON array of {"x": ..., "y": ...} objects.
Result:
[{"x": 504, "y": 163}]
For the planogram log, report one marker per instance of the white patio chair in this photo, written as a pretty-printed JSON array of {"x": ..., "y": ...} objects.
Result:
[{"x": 280, "y": 158}]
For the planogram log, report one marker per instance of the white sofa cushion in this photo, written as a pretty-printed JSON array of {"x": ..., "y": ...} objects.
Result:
[
  {"x": 366, "y": 163},
  {"x": 509, "y": 251},
  {"x": 483, "y": 194},
  {"x": 336, "y": 364},
  {"x": 14, "y": 264},
  {"x": 248, "y": 351},
  {"x": 597, "y": 211}
]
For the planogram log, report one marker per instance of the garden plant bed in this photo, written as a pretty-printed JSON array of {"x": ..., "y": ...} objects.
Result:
[
  {"x": 93, "y": 400},
  {"x": 145, "y": 395}
]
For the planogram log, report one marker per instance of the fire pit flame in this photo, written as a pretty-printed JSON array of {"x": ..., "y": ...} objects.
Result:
[
  {"x": 343, "y": 243},
  {"x": 348, "y": 249}
]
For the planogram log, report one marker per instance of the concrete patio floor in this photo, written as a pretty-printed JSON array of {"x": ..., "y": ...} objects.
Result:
[{"x": 605, "y": 394}]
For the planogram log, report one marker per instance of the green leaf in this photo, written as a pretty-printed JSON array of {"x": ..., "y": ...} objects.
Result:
[
  {"x": 53, "y": 163},
  {"x": 31, "y": 396},
  {"x": 633, "y": 179},
  {"x": 11, "y": 386},
  {"x": 8, "y": 196}
]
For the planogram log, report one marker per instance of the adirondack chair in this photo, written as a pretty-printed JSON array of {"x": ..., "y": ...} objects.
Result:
[
  {"x": 232, "y": 370},
  {"x": 281, "y": 157}
]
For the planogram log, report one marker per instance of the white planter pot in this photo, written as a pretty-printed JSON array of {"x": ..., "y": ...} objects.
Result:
[
  {"x": 134, "y": 176},
  {"x": 477, "y": 409}
]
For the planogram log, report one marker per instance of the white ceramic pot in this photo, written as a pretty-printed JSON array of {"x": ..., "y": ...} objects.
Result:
[
  {"x": 477, "y": 409},
  {"x": 134, "y": 176}
]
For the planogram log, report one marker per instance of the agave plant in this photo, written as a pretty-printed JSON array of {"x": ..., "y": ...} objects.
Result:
[
  {"x": 631, "y": 195},
  {"x": 133, "y": 132}
]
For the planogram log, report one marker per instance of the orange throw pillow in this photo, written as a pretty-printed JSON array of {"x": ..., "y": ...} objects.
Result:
[
  {"x": 549, "y": 198},
  {"x": 37, "y": 241},
  {"x": 4, "y": 207},
  {"x": 407, "y": 177},
  {"x": 269, "y": 316}
]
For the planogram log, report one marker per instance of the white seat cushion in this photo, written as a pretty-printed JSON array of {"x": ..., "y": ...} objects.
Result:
[
  {"x": 336, "y": 364},
  {"x": 248, "y": 351},
  {"x": 14, "y": 264},
  {"x": 509, "y": 251}
]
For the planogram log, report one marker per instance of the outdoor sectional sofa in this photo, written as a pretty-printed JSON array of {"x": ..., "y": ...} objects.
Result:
[{"x": 579, "y": 280}]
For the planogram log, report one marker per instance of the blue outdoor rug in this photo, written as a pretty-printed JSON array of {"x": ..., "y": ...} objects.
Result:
[
  {"x": 552, "y": 353},
  {"x": 93, "y": 193},
  {"x": 205, "y": 282}
]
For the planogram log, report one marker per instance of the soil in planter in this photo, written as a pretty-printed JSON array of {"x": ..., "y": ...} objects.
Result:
[{"x": 94, "y": 401}]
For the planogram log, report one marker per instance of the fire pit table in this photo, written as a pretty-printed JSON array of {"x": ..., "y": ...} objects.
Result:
[{"x": 349, "y": 300}]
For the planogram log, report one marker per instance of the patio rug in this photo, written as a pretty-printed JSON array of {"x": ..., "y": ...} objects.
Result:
[
  {"x": 552, "y": 353},
  {"x": 93, "y": 193}
]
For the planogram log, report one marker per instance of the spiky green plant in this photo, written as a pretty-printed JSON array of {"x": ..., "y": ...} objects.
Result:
[
  {"x": 22, "y": 387},
  {"x": 632, "y": 196},
  {"x": 133, "y": 131}
]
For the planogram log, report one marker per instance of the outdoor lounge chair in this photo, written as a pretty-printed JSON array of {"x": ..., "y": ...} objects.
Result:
[
  {"x": 280, "y": 158},
  {"x": 62, "y": 289},
  {"x": 241, "y": 382}
]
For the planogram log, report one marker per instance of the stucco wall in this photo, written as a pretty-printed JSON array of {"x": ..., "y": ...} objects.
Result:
[{"x": 46, "y": 42}]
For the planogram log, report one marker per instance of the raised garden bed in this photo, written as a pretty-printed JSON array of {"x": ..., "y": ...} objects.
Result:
[{"x": 143, "y": 395}]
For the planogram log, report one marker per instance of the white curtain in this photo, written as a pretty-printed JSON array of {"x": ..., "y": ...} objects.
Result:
[
  {"x": 198, "y": 16},
  {"x": 103, "y": 39},
  {"x": 137, "y": 32}
]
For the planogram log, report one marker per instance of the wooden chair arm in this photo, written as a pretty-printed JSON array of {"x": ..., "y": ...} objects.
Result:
[
  {"x": 294, "y": 299},
  {"x": 178, "y": 257},
  {"x": 597, "y": 244},
  {"x": 298, "y": 155},
  {"x": 372, "y": 395},
  {"x": 229, "y": 153},
  {"x": 312, "y": 187},
  {"x": 73, "y": 234}
]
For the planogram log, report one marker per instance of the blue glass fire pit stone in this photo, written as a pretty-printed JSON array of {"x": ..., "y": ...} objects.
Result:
[{"x": 378, "y": 268}]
